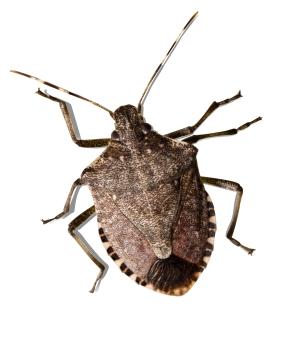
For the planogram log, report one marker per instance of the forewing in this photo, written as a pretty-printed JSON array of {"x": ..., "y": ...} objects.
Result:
[
  {"x": 142, "y": 183},
  {"x": 194, "y": 224}
]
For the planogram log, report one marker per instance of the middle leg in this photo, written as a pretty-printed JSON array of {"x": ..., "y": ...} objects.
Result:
[
  {"x": 196, "y": 138},
  {"x": 67, "y": 204}
]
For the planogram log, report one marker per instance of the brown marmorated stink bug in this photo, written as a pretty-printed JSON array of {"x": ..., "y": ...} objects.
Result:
[{"x": 155, "y": 218}]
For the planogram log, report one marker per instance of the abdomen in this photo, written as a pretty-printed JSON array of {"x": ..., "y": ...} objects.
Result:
[{"x": 193, "y": 238}]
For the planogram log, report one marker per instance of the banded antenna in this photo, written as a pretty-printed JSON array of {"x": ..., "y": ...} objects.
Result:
[
  {"x": 162, "y": 64},
  {"x": 63, "y": 90}
]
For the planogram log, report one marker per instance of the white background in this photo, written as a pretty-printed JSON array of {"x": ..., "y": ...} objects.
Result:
[{"x": 107, "y": 51}]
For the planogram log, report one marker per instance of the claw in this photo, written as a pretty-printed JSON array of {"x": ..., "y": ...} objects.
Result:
[
  {"x": 46, "y": 221},
  {"x": 94, "y": 287},
  {"x": 97, "y": 282},
  {"x": 251, "y": 250},
  {"x": 248, "y": 250}
]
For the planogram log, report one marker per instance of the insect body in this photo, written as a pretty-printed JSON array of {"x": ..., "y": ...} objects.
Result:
[
  {"x": 155, "y": 218},
  {"x": 140, "y": 186}
]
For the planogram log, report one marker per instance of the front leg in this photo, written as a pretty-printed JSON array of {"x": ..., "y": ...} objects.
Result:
[
  {"x": 186, "y": 131},
  {"x": 68, "y": 115},
  {"x": 227, "y": 184}
]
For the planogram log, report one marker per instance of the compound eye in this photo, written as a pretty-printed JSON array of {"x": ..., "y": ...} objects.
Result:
[
  {"x": 146, "y": 128},
  {"x": 115, "y": 136}
]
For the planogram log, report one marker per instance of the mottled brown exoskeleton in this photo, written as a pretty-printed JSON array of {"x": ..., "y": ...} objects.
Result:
[{"x": 155, "y": 218}]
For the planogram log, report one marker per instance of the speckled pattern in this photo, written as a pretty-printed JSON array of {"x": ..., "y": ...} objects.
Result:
[
  {"x": 155, "y": 218},
  {"x": 150, "y": 202}
]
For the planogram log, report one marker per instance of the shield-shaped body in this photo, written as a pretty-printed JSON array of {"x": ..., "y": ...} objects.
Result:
[{"x": 155, "y": 218}]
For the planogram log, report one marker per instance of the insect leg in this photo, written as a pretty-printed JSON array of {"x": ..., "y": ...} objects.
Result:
[
  {"x": 227, "y": 184},
  {"x": 76, "y": 223},
  {"x": 190, "y": 129},
  {"x": 196, "y": 138},
  {"x": 68, "y": 115},
  {"x": 63, "y": 90},
  {"x": 67, "y": 204}
]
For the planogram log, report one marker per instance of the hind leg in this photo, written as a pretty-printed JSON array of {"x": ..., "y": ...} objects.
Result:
[
  {"x": 73, "y": 226},
  {"x": 227, "y": 184}
]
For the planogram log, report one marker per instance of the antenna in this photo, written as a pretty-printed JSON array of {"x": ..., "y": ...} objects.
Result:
[
  {"x": 63, "y": 90},
  {"x": 162, "y": 64}
]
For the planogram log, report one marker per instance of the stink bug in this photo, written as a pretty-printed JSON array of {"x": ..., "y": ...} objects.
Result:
[{"x": 155, "y": 218}]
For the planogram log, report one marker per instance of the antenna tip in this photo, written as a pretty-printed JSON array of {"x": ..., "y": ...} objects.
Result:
[
  {"x": 190, "y": 21},
  {"x": 17, "y": 72},
  {"x": 194, "y": 16}
]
